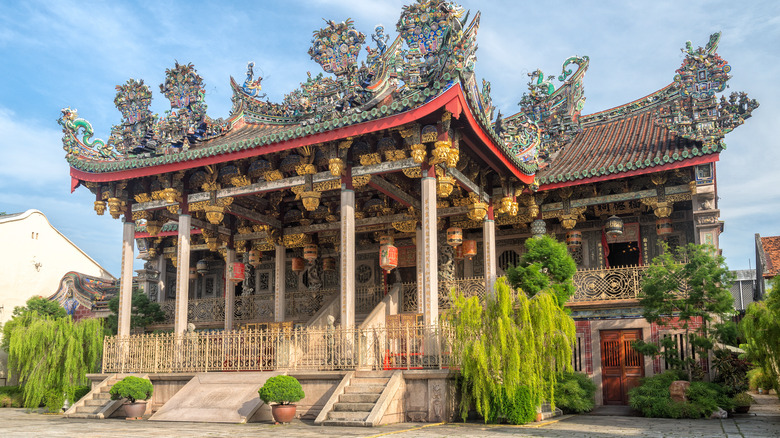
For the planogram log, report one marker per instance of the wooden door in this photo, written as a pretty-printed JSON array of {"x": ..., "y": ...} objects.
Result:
[{"x": 621, "y": 365}]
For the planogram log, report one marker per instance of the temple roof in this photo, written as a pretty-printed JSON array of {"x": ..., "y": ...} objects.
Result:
[{"x": 771, "y": 247}]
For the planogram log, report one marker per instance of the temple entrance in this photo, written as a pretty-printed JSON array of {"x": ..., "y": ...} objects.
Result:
[
  {"x": 623, "y": 254},
  {"x": 621, "y": 365}
]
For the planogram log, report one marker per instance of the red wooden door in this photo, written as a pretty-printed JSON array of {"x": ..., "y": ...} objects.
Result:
[{"x": 621, "y": 365}]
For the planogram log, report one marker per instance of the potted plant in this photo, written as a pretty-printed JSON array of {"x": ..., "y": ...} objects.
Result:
[
  {"x": 283, "y": 392},
  {"x": 136, "y": 390},
  {"x": 742, "y": 402}
]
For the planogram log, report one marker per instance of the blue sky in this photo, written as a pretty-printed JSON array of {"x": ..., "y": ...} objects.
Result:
[{"x": 72, "y": 54}]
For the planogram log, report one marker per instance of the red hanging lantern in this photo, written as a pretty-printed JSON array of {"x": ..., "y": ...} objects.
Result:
[
  {"x": 235, "y": 271},
  {"x": 469, "y": 248},
  {"x": 574, "y": 240},
  {"x": 459, "y": 252},
  {"x": 310, "y": 252},
  {"x": 663, "y": 226},
  {"x": 454, "y": 236},
  {"x": 254, "y": 257},
  {"x": 328, "y": 264},
  {"x": 388, "y": 257},
  {"x": 298, "y": 264}
]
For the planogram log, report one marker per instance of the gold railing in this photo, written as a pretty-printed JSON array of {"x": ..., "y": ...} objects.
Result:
[
  {"x": 608, "y": 284},
  {"x": 384, "y": 348}
]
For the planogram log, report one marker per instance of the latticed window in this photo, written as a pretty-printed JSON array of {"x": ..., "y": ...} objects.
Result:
[{"x": 508, "y": 258}]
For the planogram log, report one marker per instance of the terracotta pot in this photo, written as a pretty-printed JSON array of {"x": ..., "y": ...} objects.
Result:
[
  {"x": 135, "y": 410},
  {"x": 283, "y": 413}
]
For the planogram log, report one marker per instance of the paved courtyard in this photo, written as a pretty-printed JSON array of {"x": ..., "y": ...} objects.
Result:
[{"x": 763, "y": 421}]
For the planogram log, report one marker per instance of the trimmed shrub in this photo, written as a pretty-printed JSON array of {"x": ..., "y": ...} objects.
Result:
[
  {"x": 652, "y": 398},
  {"x": 742, "y": 399},
  {"x": 282, "y": 390},
  {"x": 574, "y": 393},
  {"x": 132, "y": 388}
]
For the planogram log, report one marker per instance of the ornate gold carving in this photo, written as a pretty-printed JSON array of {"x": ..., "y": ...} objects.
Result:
[
  {"x": 173, "y": 209},
  {"x": 240, "y": 181},
  {"x": 412, "y": 172},
  {"x": 336, "y": 166},
  {"x": 360, "y": 215},
  {"x": 360, "y": 181},
  {"x": 115, "y": 207},
  {"x": 346, "y": 144},
  {"x": 272, "y": 175},
  {"x": 142, "y": 197},
  {"x": 505, "y": 205},
  {"x": 444, "y": 186},
  {"x": 214, "y": 213},
  {"x": 138, "y": 215},
  {"x": 440, "y": 152},
  {"x": 245, "y": 229},
  {"x": 198, "y": 206},
  {"x": 477, "y": 211},
  {"x": 460, "y": 202},
  {"x": 408, "y": 226},
  {"x": 442, "y": 203},
  {"x": 100, "y": 207},
  {"x": 453, "y": 157},
  {"x": 429, "y": 137},
  {"x": 369, "y": 159},
  {"x": 418, "y": 153},
  {"x": 171, "y": 195},
  {"x": 311, "y": 200},
  {"x": 305, "y": 169},
  {"x": 467, "y": 224},
  {"x": 210, "y": 236},
  {"x": 324, "y": 186},
  {"x": 692, "y": 186},
  {"x": 264, "y": 246},
  {"x": 568, "y": 221},
  {"x": 210, "y": 186},
  {"x": 395, "y": 155},
  {"x": 658, "y": 178},
  {"x": 224, "y": 202},
  {"x": 295, "y": 240}
]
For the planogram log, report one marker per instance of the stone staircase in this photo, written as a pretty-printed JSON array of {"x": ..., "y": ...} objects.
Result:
[
  {"x": 97, "y": 404},
  {"x": 361, "y": 399}
]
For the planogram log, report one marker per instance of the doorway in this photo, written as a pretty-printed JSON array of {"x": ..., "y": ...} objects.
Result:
[
  {"x": 623, "y": 254},
  {"x": 621, "y": 365}
]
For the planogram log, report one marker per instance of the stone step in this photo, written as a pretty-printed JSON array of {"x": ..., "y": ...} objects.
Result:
[
  {"x": 106, "y": 388},
  {"x": 95, "y": 402},
  {"x": 86, "y": 409},
  {"x": 353, "y": 407},
  {"x": 358, "y": 398},
  {"x": 88, "y": 416},
  {"x": 357, "y": 423},
  {"x": 364, "y": 389},
  {"x": 383, "y": 373},
  {"x": 347, "y": 416},
  {"x": 356, "y": 381},
  {"x": 101, "y": 396}
]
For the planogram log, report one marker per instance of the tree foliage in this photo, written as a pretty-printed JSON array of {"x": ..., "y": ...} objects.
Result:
[
  {"x": 761, "y": 329},
  {"x": 688, "y": 290},
  {"x": 143, "y": 313},
  {"x": 281, "y": 389},
  {"x": 546, "y": 265},
  {"x": 51, "y": 357},
  {"x": 510, "y": 352},
  {"x": 132, "y": 388},
  {"x": 37, "y": 305}
]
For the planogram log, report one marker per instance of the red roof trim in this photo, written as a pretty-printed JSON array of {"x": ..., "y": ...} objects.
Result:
[
  {"x": 450, "y": 100},
  {"x": 647, "y": 170}
]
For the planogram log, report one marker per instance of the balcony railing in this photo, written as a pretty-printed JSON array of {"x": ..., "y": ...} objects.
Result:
[
  {"x": 608, "y": 284},
  {"x": 334, "y": 348}
]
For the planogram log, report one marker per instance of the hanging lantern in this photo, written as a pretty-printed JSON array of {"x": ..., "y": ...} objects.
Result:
[
  {"x": 202, "y": 266},
  {"x": 386, "y": 239},
  {"x": 388, "y": 257},
  {"x": 310, "y": 252},
  {"x": 298, "y": 264},
  {"x": 459, "y": 252},
  {"x": 538, "y": 228},
  {"x": 193, "y": 273},
  {"x": 574, "y": 240},
  {"x": 454, "y": 236},
  {"x": 328, "y": 264},
  {"x": 663, "y": 226},
  {"x": 254, "y": 257},
  {"x": 614, "y": 226},
  {"x": 469, "y": 248},
  {"x": 235, "y": 271}
]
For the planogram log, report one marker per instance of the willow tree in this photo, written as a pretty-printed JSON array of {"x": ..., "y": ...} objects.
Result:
[
  {"x": 510, "y": 352},
  {"x": 51, "y": 357}
]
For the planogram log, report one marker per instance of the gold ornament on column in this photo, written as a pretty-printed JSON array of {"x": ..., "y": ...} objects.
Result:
[
  {"x": 311, "y": 200},
  {"x": 171, "y": 195},
  {"x": 115, "y": 207},
  {"x": 506, "y": 205},
  {"x": 453, "y": 157},
  {"x": 444, "y": 186},
  {"x": 418, "y": 153},
  {"x": 477, "y": 211},
  {"x": 100, "y": 207},
  {"x": 214, "y": 213},
  {"x": 568, "y": 221},
  {"x": 441, "y": 151},
  {"x": 336, "y": 166},
  {"x": 663, "y": 209}
]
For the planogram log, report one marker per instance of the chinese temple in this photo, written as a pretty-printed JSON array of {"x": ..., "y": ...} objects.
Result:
[{"x": 341, "y": 218}]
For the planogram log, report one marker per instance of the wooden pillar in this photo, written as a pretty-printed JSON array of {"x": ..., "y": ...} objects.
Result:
[
  {"x": 182, "y": 274},
  {"x": 420, "y": 272},
  {"x": 230, "y": 291},
  {"x": 279, "y": 284},
  {"x": 126, "y": 276},
  {"x": 429, "y": 246},
  {"x": 489, "y": 250},
  {"x": 347, "y": 278}
]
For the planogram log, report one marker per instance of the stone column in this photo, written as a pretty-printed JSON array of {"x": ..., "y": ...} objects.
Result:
[
  {"x": 279, "y": 285},
  {"x": 148, "y": 279},
  {"x": 162, "y": 267},
  {"x": 420, "y": 272},
  {"x": 347, "y": 278},
  {"x": 126, "y": 278},
  {"x": 429, "y": 246},
  {"x": 230, "y": 291},
  {"x": 489, "y": 250},
  {"x": 182, "y": 274},
  {"x": 706, "y": 215}
]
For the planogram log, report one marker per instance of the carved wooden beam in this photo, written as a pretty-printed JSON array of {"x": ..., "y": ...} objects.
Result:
[
  {"x": 467, "y": 184},
  {"x": 196, "y": 222},
  {"x": 246, "y": 213},
  {"x": 394, "y": 192},
  {"x": 617, "y": 197}
]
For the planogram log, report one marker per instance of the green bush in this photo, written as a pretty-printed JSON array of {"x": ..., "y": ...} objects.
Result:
[
  {"x": 10, "y": 390},
  {"x": 132, "y": 388},
  {"x": 652, "y": 398},
  {"x": 80, "y": 392},
  {"x": 282, "y": 389},
  {"x": 574, "y": 393},
  {"x": 758, "y": 379},
  {"x": 732, "y": 371},
  {"x": 742, "y": 399}
]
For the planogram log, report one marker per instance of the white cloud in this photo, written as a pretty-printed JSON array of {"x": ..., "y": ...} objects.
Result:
[{"x": 31, "y": 156}]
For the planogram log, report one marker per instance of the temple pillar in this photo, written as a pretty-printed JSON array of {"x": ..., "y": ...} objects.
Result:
[
  {"x": 429, "y": 246},
  {"x": 148, "y": 279},
  {"x": 230, "y": 291},
  {"x": 420, "y": 272},
  {"x": 126, "y": 276},
  {"x": 489, "y": 250},
  {"x": 162, "y": 268},
  {"x": 182, "y": 274},
  {"x": 279, "y": 283},
  {"x": 706, "y": 214},
  {"x": 347, "y": 278}
]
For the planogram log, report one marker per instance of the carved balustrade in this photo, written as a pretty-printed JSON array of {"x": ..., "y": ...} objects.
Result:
[{"x": 608, "y": 284}]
